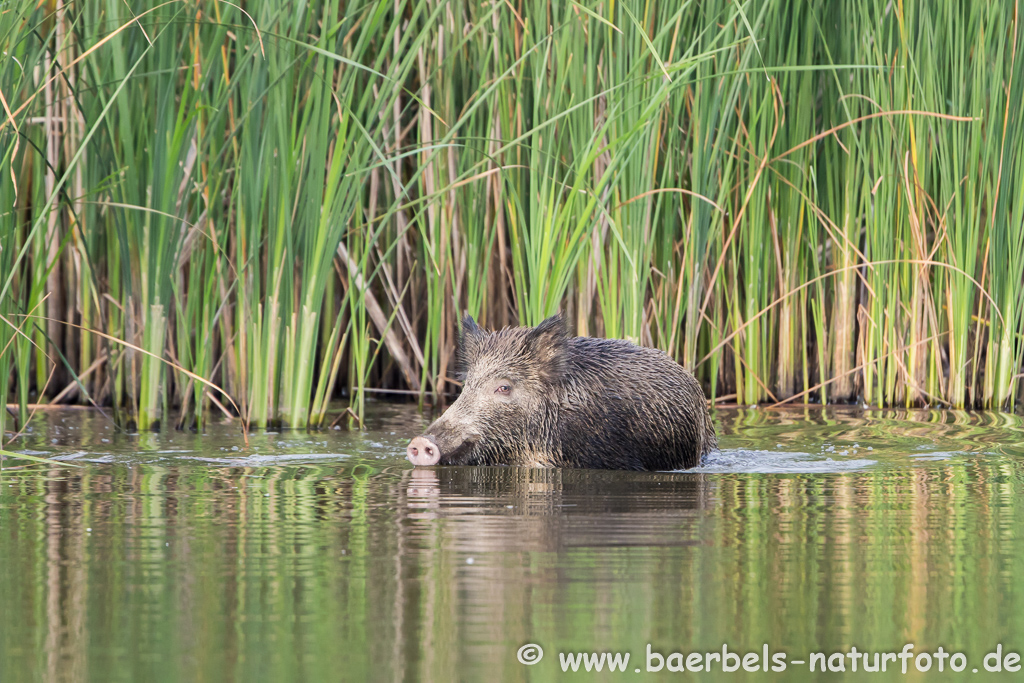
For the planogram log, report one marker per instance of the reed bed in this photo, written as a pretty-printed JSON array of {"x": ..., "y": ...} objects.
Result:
[{"x": 252, "y": 209}]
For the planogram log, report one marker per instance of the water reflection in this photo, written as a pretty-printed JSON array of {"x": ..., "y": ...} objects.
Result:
[
  {"x": 325, "y": 557},
  {"x": 493, "y": 509}
]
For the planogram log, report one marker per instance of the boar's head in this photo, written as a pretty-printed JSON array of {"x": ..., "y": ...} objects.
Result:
[{"x": 507, "y": 408}]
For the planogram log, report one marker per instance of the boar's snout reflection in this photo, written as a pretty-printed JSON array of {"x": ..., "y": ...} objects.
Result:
[{"x": 422, "y": 493}]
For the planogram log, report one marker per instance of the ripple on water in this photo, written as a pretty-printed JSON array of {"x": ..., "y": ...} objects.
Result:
[
  {"x": 775, "y": 462},
  {"x": 265, "y": 460}
]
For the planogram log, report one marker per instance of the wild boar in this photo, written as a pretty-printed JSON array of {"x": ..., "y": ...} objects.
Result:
[{"x": 537, "y": 397}]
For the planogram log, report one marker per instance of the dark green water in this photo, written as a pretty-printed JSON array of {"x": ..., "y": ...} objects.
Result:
[{"x": 325, "y": 557}]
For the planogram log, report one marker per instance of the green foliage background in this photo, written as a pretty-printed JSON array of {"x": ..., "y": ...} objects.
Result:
[{"x": 264, "y": 204}]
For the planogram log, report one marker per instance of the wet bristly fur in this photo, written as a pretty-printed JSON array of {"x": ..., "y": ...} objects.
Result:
[{"x": 573, "y": 402}]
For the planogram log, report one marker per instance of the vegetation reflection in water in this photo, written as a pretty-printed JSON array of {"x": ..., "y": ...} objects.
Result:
[{"x": 174, "y": 557}]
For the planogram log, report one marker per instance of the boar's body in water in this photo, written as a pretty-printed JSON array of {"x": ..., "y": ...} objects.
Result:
[{"x": 539, "y": 398}]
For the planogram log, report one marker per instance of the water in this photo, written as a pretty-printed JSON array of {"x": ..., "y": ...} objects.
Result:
[{"x": 326, "y": 557}]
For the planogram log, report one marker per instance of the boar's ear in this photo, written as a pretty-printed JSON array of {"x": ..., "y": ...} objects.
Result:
[
  {"x": 546, "y": 345},
  {"x": 471, "y": 341}
]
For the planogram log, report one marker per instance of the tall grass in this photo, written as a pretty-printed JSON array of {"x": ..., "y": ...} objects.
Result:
[{"x": 254, "y": 208}]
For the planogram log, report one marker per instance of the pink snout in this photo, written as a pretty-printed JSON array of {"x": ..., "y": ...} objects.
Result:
[{"x": 423, "y": 451}]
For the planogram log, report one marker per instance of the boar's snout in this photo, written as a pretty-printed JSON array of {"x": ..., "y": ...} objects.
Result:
[{"x": 423, "y": 451}]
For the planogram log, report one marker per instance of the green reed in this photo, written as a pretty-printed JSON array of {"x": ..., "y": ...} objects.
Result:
[{"x": 254, "y": 208}]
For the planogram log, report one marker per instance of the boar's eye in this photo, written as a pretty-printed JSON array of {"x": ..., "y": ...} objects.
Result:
[{"x": 503, "y": 389}]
